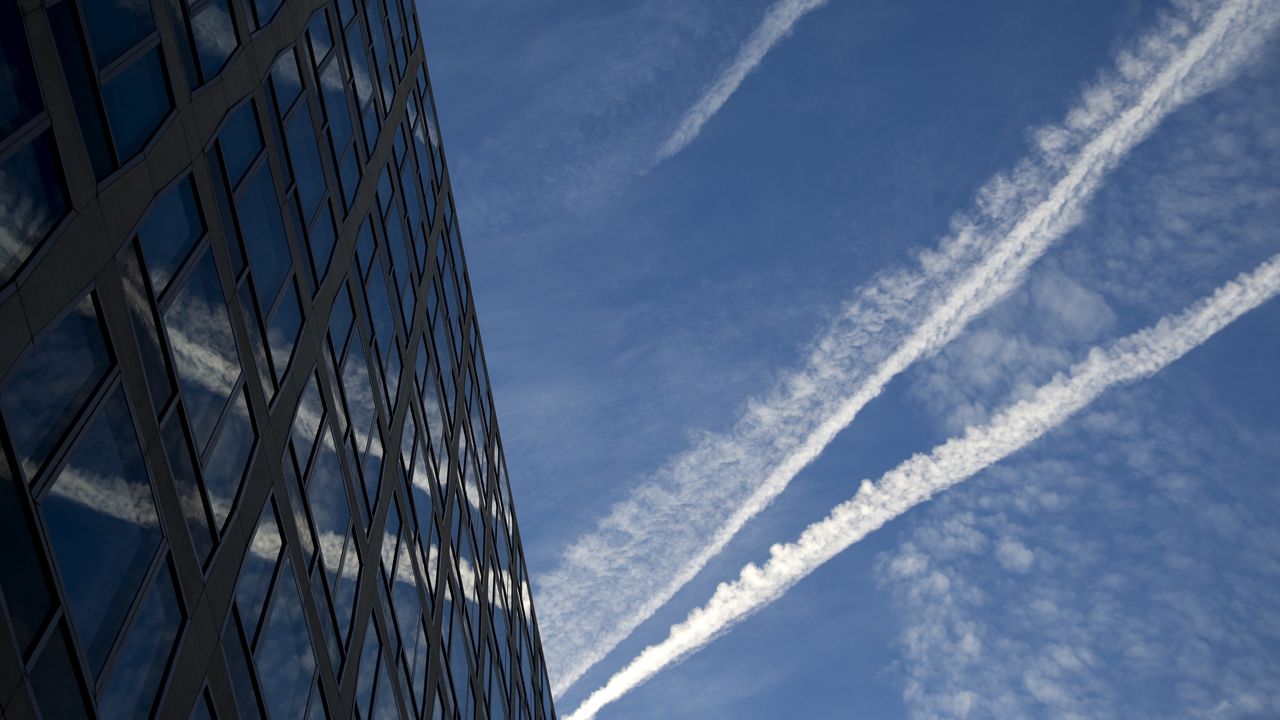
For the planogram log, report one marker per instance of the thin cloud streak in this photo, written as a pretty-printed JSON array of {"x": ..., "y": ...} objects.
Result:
[
  {"x": 1132, "y": 358},
  {"x": 778, "y": 21},
  {"x": 702, "y": 498}
]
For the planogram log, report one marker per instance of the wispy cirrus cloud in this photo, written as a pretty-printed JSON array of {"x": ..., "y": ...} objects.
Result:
[
  {"x": 670, "y": 527},
  {"x": 778, "y": 21},
  {"x": 916, "y": 480}
]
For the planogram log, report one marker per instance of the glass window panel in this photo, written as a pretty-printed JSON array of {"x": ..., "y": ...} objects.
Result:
[
  {"x": 53, "y": 680},
  {"x": 329, "y": 506},
  {"x": 385, "y": 699},
  {"x": 215, "y": 36},
  {"x": 359, "y": 393},
  {"x": 143, "y": 317},
  {"x": 240, "y": 141},
  {"x": 344, "y": 595},
  {"x": 265, "y": 10},
  {"x": 32, "y": 200},
  {"x": 262, "y": 228},
  {"x": 204, "y": 349},
  {"x": 306, "y": 422},
  {"x": 172, "y": 227},
  {"x": 102, "y": 524},
  {"x": 51, "y": 382},
  {"x": 137, "y": 101},
  {"x": 22, "y": 574},
  {"x": 115, "y": 26},
  {"x": 299, "y": 512},
  {"x": 19, "y": 93},
  {"x": 319, "y": 36},
  {"x": 187, "y": 484},
  {"x": 139, "y": 668},
  {"x": 258, "y": 568},
  {"x": 380, "y": 318},
  {"x": 305, "y": 158},
  {"x": 340, "y": 321},
  {"x": 368, "y": 668},
  {"x": 227, "y": 461},
  {"x": 283, "y": 331},
  {"x": 320, "y": 242},
  {"x": 202, "y": 709},
  {"x": 285, "y": 81},
  {"x": 349, "y": 173},
  {"x": 334, "y": 92},
  {"x": 240, "y": 667},
  {"x": 286, "y": 660}
]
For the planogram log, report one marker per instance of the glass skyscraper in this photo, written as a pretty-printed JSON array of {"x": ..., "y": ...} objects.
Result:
[{"x": 251, "y": 464}]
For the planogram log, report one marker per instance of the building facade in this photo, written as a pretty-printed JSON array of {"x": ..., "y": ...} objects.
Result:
[{"x": 250, "y": 462}]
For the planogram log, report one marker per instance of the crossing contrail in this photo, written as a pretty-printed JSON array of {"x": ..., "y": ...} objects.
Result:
[
  {"x": 778, "y": 21},
  {"x": 650, "y": 545},
  {"x": 913, "y": 482}
]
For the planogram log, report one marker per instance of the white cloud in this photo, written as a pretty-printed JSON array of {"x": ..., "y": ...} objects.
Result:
[
  {"x": 916, "y": 480},
  {"x": 616, "y": 576},
  {"x": 1014, "y": 556}
]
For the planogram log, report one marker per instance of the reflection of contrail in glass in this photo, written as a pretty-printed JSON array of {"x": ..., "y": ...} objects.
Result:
[
  {"x": 646, "y": 549},
  {"x": 1134, "y": 357}
]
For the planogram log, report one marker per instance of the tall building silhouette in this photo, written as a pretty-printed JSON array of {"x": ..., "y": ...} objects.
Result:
[{"x": 250, "y": 460}]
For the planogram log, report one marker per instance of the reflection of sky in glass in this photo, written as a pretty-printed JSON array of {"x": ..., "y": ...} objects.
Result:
[
  {"x": 225, "y": 470},
  {"x": 204, "y": 349},
  {"x": 101, "y": 520},
  {"x": 171, "y": 229},
  {"x": 215, "y": 36},
  {"x": 367, "y": 669},
  {"x": 286, "y": 661},
  {"x": 53, "y": 680},
  {"x": 283, "y": 331},
  {"x": 141, "y": 664},
  {"x": 115, "y": 26},
  {"x": 240, "y": 141},
  {"x": 285, "y": 81},
  {"x": 255, "y": 573},
  {"x": 51, "y": 382},
  {"x": 31, "y": 201},
  {"x": 263, "y": 233},
  {"x": 137, "y": 101},
  {"x": 306, "y": 423},
  {"x": 186, "y": 483}
]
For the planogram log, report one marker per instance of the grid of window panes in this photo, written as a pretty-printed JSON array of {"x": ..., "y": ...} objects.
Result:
[{"x": 253, "y": 468}]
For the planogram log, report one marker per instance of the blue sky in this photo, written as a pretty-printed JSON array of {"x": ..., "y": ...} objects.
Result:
[{"x": 655, "y": 332}]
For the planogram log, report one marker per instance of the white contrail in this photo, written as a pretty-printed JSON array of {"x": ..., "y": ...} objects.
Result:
[
  {"x": 1134, "y": 357},
  {"x": 778, "y": 21},
  {"x": 616, "y": 576}
]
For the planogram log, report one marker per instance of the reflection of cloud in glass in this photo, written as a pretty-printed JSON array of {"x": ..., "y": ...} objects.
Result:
[
  {"x": 101, "y": 521},
  {"x": 224, "y": 471},
  {"x": 204, "y": 349},
  {"x": 285, "y": 659},
  {"x": 141, "y": 664},
  {"x": 51, "y": 382},
  {"x": 31, "y": 201}
]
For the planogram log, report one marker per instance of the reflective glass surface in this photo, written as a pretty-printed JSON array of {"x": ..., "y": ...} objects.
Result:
[
  {"x": 204, "y": 349},
  {"x": 51, "y": 382},
  {"x": 306, "y": 160},
  {"x": 102, "y": 523},
  {"x": 32, "y": 200},
  {"x": 285, "y": 81},
  {"x": 283, "y": 330},
  {"x": 22, "y": 576},
  {"x": 140, "y": 666},
  {"x": 240, "y": 141},
  {"x": 19, "y": 93},
  {"x": 286, "y": 661},
  {"x": 258, "y": 568},
  {"x": 187, "y": 483},
  {"x": 215, "y": 36},
  {"x": 53, "y": 680},
  {"x": 265, "y": 10},
  {"x": 170, "y": 231},
  {"x": 225, "y": 469},
  {"x": 115, "y": 26},
  {"x": 137, "y": 101},
  {"x": 263, "y": 231}
]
